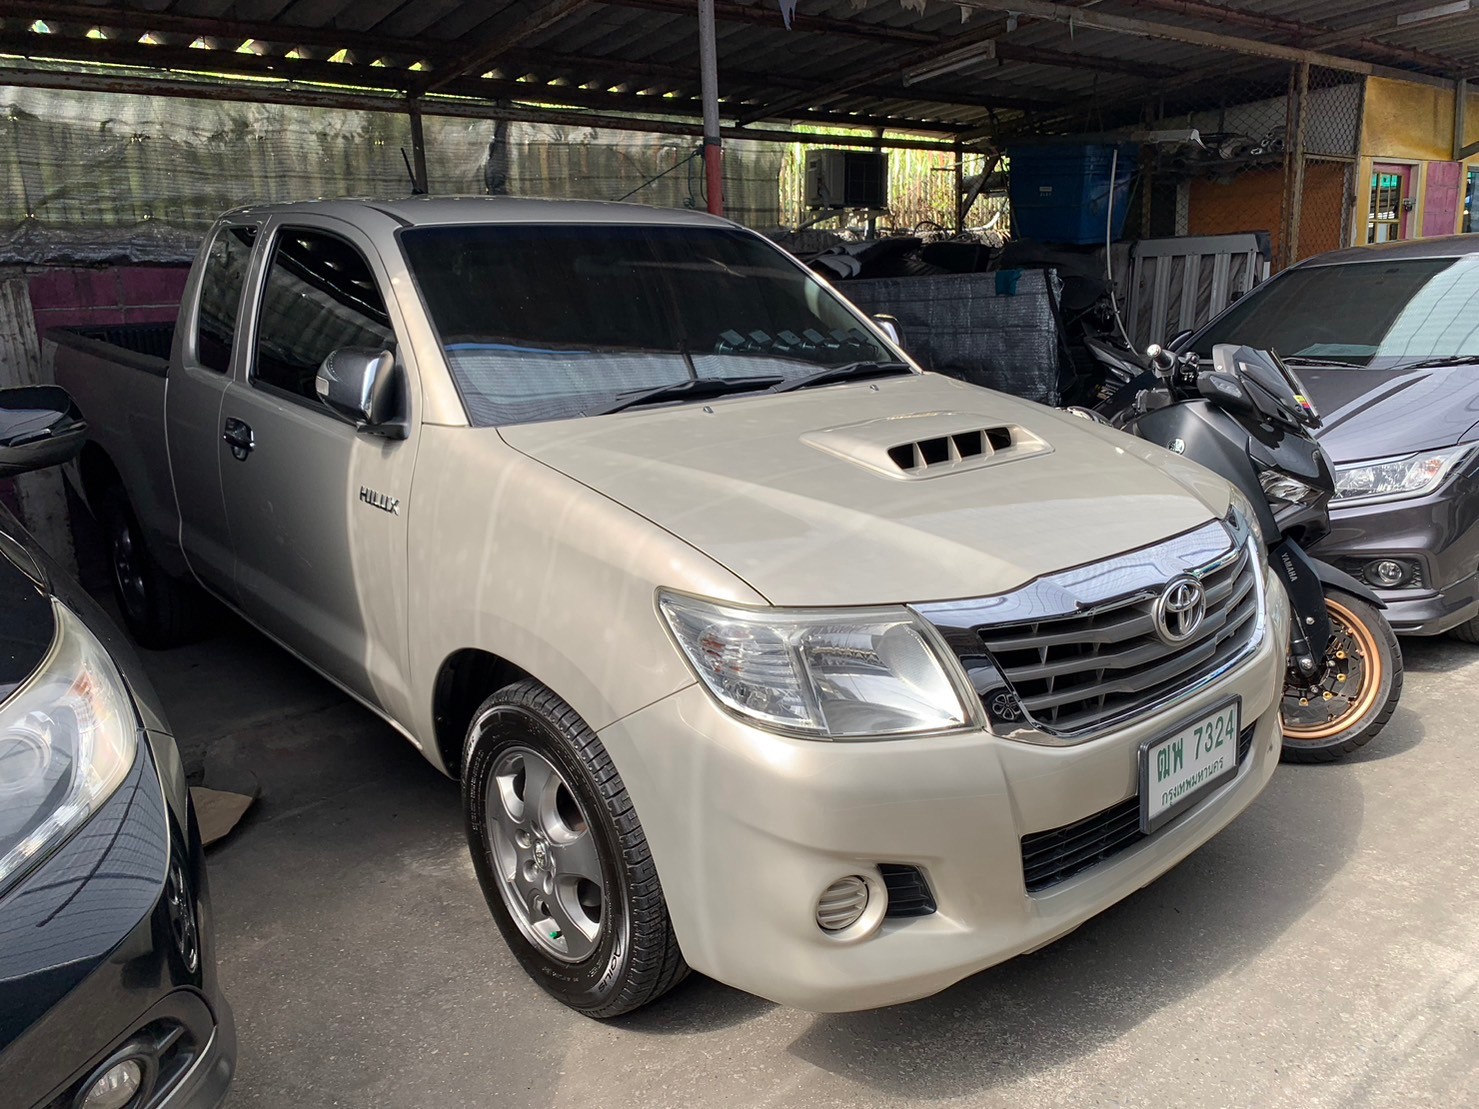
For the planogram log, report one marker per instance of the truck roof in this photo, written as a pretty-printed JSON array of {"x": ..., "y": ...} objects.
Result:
[
  {"x": 422, "y": 211},
  {"x": 1444, "y": 246}
]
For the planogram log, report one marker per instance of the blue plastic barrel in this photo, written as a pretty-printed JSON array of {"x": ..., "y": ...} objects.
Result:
[{"x": 1059, "y": 193}]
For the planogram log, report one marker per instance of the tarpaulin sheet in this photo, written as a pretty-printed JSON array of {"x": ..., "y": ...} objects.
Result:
[
  {"x": 98, "y": 177},
  {"x": 996, "y": 329}
]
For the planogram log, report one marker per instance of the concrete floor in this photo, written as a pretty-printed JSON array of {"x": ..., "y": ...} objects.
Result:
[{"x": 1323, "y": 951}]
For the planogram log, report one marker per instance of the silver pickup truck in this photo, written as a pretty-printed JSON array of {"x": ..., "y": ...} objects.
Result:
[{"x": 756, "y": 649}]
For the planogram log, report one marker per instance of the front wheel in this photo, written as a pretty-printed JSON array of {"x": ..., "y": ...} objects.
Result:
[
  {"x": 562, "y": 858},
  {"x": 1356, "y": 691}
]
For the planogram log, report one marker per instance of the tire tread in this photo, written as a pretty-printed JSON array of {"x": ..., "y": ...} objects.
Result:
[{"x": 655, "y": 962}]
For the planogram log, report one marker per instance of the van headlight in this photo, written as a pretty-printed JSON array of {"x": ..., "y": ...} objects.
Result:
[
  {"x": 68, "y": 737},
  {"x": 1413, "y": 475},
  {"x": 827, "y": 673}
]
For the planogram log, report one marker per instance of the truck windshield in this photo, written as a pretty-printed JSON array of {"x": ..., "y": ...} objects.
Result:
[
  {"x": 1375, "y": 314},
  {"x": 549, "y": 321}
]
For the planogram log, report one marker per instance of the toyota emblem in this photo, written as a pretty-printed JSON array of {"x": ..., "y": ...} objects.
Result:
[{"x": 1179, "y": 610}]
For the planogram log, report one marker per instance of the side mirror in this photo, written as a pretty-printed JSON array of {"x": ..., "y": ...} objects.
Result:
[
  {"x": 1179, "y": 340},
  {"x": 361, "y": 385},
  {"x": 889, "y": 325},
  {"x": 40, "y": 426},
  {"x": 1226, "y": 391}
]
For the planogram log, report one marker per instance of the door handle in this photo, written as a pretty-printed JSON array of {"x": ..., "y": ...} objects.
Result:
[{"x": 238, "y": 436}]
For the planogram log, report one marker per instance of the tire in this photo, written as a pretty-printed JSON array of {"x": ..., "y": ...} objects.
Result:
[
  {"x": 601, "y": 943},
  {"x": 1368, "y": 643},
  {"x": 161, "y": 611},
  {"x": 1467, "y": 632}
]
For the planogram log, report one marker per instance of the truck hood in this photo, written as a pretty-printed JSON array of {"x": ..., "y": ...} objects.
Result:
[
  {"x": 1379, "y": 413},
  {"x": 903, "y": 490}
]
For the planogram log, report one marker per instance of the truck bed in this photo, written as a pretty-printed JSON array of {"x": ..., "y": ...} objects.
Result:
[
  {"x": 143, "y": 346},
  {"x": 116, "y": 374}
]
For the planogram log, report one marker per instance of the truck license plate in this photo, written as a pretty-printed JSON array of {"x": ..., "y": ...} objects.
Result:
[{"x": 1179, "y": 769}]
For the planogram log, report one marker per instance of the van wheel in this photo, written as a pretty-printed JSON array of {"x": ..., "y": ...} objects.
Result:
[
  {"x": 1467, "y": 632},
  {"x": 160, "y": 611},
  {"x": 561, "y": 856}
]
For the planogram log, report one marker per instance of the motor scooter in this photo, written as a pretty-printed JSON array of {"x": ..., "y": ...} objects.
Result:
[{"x": 1247, "y": 417}]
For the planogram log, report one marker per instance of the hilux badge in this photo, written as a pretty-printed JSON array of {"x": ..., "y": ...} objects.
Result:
[{"x": 380, "y": 500}]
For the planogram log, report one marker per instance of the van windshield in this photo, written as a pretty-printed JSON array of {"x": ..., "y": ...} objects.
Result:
[
  {"x": 550, "y": 321},
  {"x": 1376, "y": 314}
]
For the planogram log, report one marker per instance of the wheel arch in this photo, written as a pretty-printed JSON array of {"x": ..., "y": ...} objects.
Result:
[
  {"x": 96, "y": 474},
  {"x": 465, "y": 679}
]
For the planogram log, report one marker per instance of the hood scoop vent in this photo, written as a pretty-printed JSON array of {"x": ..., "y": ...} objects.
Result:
[
  {"x": 941, "y": 443},
  {"x": 951, "y": 450}
]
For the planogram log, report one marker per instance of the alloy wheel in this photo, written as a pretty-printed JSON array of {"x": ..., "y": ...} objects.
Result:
[
  {"x": 548, "y": 864},
  {"x": 1348, "y": 685}
]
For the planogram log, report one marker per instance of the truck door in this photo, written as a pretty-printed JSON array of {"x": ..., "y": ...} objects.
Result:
[
  {"x": 194, "y": 390},
  {"x": 318, "y": 511}
]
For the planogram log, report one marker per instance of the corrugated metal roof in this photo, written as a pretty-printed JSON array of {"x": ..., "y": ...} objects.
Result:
[{"x": 843, "y": 61}]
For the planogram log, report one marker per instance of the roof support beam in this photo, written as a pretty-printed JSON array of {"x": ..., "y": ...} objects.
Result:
[
  {"x": 1091, "y": 18},
  {"x": 1400, "y": 19},
  {"x": 874, "y": 32},
  {"x": 478, "y": 59},
  {"x": 457, "y": 108},
  {"x": 1302, "y": 33}
]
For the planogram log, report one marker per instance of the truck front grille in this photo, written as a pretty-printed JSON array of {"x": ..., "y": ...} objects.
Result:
[
  {"x": 1076, "y": 673},
  {"x": 1058, "y": 854}
]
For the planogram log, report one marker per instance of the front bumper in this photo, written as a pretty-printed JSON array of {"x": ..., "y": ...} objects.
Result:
[
  {"x": 747, "y": 828},
  {"x": 1439, "y": 533},
  {"x": 105, "y": 951}
]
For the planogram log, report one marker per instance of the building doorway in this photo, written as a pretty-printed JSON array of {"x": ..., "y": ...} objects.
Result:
[{"x": 1390, "y": 205}]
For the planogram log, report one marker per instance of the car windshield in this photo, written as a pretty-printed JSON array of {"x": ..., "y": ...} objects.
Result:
[
  {"x": 1376, "y": 314},
  {"x": 549, "y": 321}
]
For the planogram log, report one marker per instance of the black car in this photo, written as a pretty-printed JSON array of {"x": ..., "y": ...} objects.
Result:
[
  {"x": 108, "y": 992},
  {"x": 1386, "y": 340}
]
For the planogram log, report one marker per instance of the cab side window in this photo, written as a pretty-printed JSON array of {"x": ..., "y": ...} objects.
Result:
[
  {"x": 221, "y": 283},
  {"x": 320, "y": 295}
]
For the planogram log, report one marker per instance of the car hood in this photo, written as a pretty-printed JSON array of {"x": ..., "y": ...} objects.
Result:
[
  {"x": 802, "y": 494},
  {"x": 27, "y": 625},
  {"x": 1376, "y": 413}
]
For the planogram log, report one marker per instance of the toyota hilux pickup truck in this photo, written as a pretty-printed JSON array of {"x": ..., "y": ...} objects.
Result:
[{"x": 756, "y": 649}]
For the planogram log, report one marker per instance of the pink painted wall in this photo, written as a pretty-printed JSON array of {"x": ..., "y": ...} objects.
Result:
[{"x": 117, "y": 294}]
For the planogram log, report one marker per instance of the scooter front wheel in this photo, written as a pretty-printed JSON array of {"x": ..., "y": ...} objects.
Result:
[{"x": 1355, "y": 692}]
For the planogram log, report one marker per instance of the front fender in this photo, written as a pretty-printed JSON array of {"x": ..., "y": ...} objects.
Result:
[{"x": 1331, "y": 578}]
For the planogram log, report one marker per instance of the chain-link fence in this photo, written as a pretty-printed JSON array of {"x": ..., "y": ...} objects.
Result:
[{"x": 1277, "y": 155}]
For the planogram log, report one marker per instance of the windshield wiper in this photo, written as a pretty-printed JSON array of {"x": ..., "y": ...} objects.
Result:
[
  {"x": 1432, "y": 363},
  {"x": 693, "y": 388},
  {"x": 843, "y": 372},
  {"x": 1306, "y": 360}
]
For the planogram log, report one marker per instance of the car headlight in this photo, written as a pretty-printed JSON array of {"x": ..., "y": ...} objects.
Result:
[
  {"x": 68, "y": 737},
  {"x": 828, "y": 673},
  {"x": 1242, "y": 520},
  {"x": 1413, "y": 475},
  {"x": 1282, "y": 487}
]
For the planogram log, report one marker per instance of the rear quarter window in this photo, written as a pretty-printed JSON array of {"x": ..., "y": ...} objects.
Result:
[{"x": 219, "y": 305}]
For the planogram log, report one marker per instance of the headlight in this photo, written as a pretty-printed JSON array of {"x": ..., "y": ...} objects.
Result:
[
  {"x": 1282, "y": 487},
  {"x": 1242, "y": 521},
  {"x": 1414, "y": 475},
  {"x": 68, "y": 736},
  {"x": 831, "y": 673}
]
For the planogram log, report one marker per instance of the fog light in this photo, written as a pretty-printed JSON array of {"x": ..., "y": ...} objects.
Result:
[
  {"x": 842, "y": 903},
  {"x": 115, "y": 1087},
  {"x": 1386, "y": 572}
]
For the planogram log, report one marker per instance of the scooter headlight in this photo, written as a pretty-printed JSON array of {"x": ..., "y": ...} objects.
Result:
[{"x": 1290, "y": 490}]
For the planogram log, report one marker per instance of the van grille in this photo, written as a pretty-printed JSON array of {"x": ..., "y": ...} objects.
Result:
[
  {"x": 1058, "y": 854},
  {"x": 1075, "y": 673}
]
